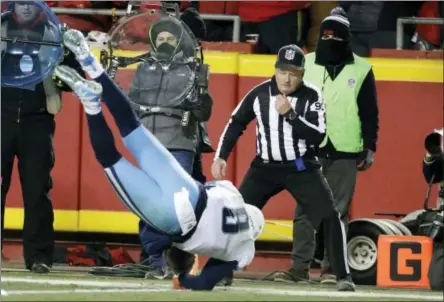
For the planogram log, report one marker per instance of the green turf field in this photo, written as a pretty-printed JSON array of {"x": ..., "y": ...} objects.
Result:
[{"x": 23, "y": 286}]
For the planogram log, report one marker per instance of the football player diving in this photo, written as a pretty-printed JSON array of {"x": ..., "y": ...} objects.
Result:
[{"x": 204, "y": 219}]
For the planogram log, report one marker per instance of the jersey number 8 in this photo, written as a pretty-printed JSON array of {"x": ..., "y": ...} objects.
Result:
[{"x": 234, "y": 220}]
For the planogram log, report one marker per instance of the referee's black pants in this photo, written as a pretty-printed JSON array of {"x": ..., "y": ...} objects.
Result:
[
  {"x": 312, "y": 192},
  {"x": 31, "y": 141}
]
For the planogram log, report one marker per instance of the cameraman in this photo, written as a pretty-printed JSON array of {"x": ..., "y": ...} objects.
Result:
[
  {"x": 162, "y": 97},
  {"x": 432, "y": 167},
  {"x": 170, "y": 107},
  {"x": 27, "y": 123}
]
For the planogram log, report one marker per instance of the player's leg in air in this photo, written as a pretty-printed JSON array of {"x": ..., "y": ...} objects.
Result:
[{"x": 160, "y": 192}]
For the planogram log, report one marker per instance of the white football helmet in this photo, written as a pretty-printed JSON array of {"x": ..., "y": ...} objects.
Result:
[{"x": 256, "y": 220}]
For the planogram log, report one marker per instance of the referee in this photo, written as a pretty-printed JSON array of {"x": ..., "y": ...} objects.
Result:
[{"x": 290, "y": 124}]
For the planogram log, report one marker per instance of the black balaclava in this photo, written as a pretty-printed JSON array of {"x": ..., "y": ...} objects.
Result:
[{"x": 333, "y": 52}]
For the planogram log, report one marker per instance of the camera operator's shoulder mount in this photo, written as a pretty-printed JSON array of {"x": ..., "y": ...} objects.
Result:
[{"x": 200, "y": 71}]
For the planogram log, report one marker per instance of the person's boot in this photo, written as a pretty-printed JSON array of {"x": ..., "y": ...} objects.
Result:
[
  {"x": 346, "y": 284},
  {"x": 327, "y": 278},
  {"x": 40, "y": 268},
  {"x": 292, "y": 275}
]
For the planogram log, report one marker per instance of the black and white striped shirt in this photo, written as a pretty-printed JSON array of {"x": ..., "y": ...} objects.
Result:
[{"x": 277, "y": 137}]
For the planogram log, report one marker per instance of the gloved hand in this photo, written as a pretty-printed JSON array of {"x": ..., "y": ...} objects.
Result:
[{"x": 365, "y": 160}]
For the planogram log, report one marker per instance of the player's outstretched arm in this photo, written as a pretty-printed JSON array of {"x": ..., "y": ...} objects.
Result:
[{"x": 213, "y": 272}]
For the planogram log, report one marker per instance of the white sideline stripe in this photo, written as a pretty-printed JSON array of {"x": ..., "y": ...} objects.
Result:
[
  {"x": 14, "y": 270},
  {"x": 75, "y": 282},
  {"x": 82, "y": 291},
  {"x": 4, "y": 293},
  {"x": 140, "y": 286},
  {"x": 324, "y": 293}
]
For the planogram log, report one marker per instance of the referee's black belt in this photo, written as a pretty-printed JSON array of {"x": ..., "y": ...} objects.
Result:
[
  {"x": 284, "y": 162},
  {"x": 264, "y": 161}
]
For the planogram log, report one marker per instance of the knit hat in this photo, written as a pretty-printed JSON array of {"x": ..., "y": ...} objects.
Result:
[
  {"x": 195, "y": 22},
  {"x": 336, "y": 24}
]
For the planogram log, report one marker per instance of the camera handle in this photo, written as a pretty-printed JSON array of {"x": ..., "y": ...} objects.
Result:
[{"x": 114, "y": 62}]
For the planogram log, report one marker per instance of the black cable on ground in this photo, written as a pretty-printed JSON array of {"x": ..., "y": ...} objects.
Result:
[{"x": 129, "y": 270}]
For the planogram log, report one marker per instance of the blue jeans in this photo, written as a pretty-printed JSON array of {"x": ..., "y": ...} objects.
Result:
[
  {"x": 153, "y": 243},
  {"x": 185, "y": 159}
]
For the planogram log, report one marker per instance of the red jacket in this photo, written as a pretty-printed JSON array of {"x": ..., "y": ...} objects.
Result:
[
  {"x": 429, "y": 32},
  {"x": 258, "y": 11},
  {"x": 219, "y": 7}
]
